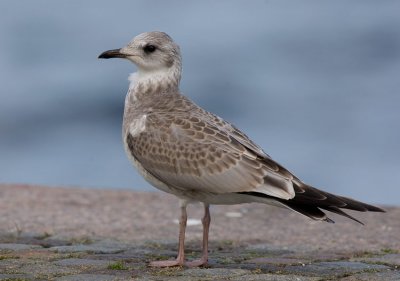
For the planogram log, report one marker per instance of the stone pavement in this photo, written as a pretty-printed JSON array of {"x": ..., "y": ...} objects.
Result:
[{"x": 81, "y": 234}]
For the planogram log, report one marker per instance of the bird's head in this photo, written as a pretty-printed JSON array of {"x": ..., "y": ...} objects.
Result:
[{"x": 150, "y": 51}]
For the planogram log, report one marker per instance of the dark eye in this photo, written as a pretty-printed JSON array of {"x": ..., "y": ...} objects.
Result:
[{"x": 149, "y": 48}]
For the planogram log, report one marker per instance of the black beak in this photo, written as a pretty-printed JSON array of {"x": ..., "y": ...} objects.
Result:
[{"x": 116, "y": 53}]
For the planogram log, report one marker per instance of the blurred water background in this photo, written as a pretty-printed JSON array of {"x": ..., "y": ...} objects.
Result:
[{"x": 315, "y": 83}]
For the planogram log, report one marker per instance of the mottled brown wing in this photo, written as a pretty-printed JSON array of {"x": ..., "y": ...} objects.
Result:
[
  {"x": 234, "y": 132},
  {"x": 192, "y": 153}
]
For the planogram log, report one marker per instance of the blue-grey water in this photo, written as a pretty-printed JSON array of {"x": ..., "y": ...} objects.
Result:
[{"x": 316, "y": 83}]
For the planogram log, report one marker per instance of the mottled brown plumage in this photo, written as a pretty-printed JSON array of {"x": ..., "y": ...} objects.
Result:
[{"x": 182, "y": 149}]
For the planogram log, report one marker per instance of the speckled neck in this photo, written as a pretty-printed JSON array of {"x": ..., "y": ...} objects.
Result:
[{"x": 145, "y": 83}]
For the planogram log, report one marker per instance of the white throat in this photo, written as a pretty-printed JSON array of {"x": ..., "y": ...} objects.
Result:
[{"x": 164, "y": 77}]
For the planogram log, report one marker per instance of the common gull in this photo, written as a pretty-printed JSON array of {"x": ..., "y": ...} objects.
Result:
[{"x": 195, "y": 155}]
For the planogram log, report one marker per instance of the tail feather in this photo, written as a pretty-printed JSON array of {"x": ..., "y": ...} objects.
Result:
[
  {"x": 311, "y": 202},
  {"x": 309, "y": 211},
  {"x": 340, "y": 212}
]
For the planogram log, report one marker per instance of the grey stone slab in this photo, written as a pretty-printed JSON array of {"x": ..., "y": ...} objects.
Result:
[
  {"x": 390, "y": 259},
  {"x": 44, "y": 268},
  {"x": 92, "y": 248},
  {"x": 119, "y": 256},
  {"x": 214, "y": 272},
  {"x": 173, "y": 278},
  {"x": 82, "y": 262},
  {"x": 193, "y": 274},
  {"x": 10, "y": 277},
  {"x": 349, "y": 265},
  {"x": 18, "y": 247},
  {"x": 334, "y": 268},
  {"x": 139, "y": 251},
  {"x": 278, "y": 261},
  {"x": 388, "y": 275},
  {"x": 273, "y": 277},
  {"x": 8, "y": 263},
  {"x": 90, "y": 277},
  {"x": 246, "y": 277},
  {"x": 269, "y": 249},
  {"x": 40, "y": 239}
]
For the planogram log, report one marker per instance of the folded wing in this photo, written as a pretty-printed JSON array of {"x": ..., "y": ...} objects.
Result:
[{"x": 191, "y": 152}]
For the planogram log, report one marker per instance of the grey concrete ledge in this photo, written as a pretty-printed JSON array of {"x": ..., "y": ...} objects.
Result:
[{"x": 82, "y": 234}]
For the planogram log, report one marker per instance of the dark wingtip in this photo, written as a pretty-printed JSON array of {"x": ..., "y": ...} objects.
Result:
[
  {"x": 376, "y": 209},
  {"x": 102, "y": 56}
]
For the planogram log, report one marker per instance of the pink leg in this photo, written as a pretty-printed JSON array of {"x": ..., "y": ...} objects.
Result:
[
  {"x": 206, "y": 226},
  {"x": 180, "y": 260}
]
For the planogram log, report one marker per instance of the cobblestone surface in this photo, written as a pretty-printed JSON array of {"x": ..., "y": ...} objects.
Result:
[{"x": 37, "y": 244}]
